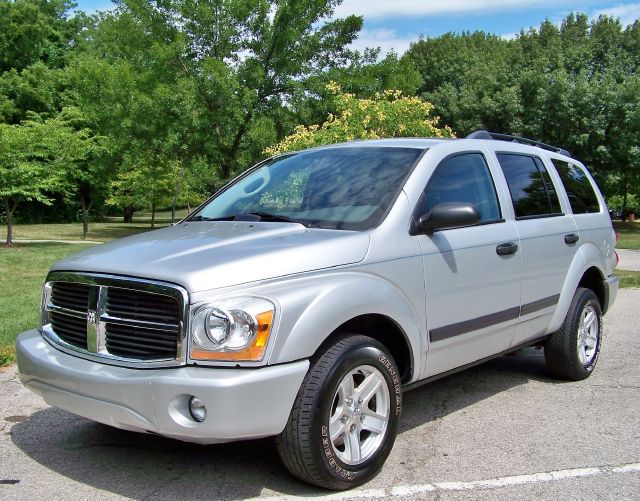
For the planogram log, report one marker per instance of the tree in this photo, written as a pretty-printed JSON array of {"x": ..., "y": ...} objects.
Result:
[
  {"x": 36, "y": 30},
  {"x": 241, "y": 59},
  {"x": 467, "y": 77},
  {"x": 33, "y": 159},
  {"x": 387, "y": 114},
  {"x": 573, "y": 85}
]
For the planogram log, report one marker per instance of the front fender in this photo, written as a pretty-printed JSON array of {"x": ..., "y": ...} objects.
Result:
[
  {"x": 313, "y": 308},
  {"x": 588, "y": 256}
]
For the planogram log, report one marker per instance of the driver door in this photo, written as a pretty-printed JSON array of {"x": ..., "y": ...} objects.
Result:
[{"x": 472, "y": 291}]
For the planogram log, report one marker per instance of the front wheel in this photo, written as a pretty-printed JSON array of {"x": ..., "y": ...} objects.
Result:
[
  {"x": 345, "y": 418},
  {"x": 572, "y": 352}
]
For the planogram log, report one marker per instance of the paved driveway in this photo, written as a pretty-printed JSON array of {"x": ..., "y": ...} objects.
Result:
[
  {"x": 499, "y": 431},
  {"x": 629, "y": 259}
]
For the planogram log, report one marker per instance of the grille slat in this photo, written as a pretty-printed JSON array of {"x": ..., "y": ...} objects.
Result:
[
  {"x": 140, "y": 305},
  {"x": 71, "y": 295},
  {"x": 121, "y": 336},
  {"x": 70, "y": 329},
  {"x": 126, "y": 341}
]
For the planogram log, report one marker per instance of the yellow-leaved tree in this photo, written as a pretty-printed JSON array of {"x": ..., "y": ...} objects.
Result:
[{"x": 387, "y": 114}]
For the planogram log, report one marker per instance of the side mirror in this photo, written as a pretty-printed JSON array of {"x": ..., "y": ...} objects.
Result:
[{"x": 446, "y": 216}]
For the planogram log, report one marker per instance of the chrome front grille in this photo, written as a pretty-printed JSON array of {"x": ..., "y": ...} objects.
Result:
[
  {"x": 72, "y": 330},
  {"x": 128, "y": 321}
]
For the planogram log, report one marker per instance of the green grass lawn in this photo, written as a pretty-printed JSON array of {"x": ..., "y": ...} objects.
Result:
[
  {"x": 23, "y": 269},
  {"x": 628, "y": 235},
  {"x": 628, "y": 278},
  {"x": 100, "y": 232},
  {"x": 112, "y": 228}
]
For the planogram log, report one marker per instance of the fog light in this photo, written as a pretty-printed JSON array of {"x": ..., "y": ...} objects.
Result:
[{"x": 197, "y": 409}]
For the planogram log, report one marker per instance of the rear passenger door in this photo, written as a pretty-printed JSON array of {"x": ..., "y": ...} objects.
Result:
[
  {"x": 472, "y": 291},
  {"x": 548, "y": 240}
]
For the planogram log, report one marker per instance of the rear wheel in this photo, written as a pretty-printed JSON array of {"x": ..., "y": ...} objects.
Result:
[
  {"x": 345, "y": 418},
  {"x": 572, "y": 352}
]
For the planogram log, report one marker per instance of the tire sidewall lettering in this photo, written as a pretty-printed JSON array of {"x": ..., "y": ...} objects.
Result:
[{"x": 340, "y": 469}]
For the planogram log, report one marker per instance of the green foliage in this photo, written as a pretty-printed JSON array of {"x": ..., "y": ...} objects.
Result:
[
  {"x": 617, "y": 202},
  {"x": 176, "y": 108},
  {"x": 575, "y": 86},
  {"x": 385, "y": 115},
  {"x": 35, "y": 157},
  {"x": 35, "y": 30}
]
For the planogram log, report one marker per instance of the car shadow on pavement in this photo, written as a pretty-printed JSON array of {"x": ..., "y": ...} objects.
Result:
[{"x": 142, "y": 466}]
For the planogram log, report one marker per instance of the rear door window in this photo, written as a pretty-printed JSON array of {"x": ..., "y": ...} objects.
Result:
[
  {"x": 530, "y": 185},
  {"x": 582, "y": 197}
]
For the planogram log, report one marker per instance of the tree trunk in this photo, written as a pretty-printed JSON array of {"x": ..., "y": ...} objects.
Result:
[
  {"x": 153, "y": 214},
  {"x": 85, "y": 216},
  {"x": 625, "y": 212},
  {"x": 176, "y": 193},
  {"x": 9, "y": 210},
  {"x": 188, "y": 208},
  {"x": 128, "y": 214}
]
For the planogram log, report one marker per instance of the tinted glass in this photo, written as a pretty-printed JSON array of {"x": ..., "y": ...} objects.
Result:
[
  {"x": 463, "y": 178},
  {"x": 531, "y": 188},
  {"x": 339, "y": 188},
  {"x": 579, "y": 190},
  {"x": 554, "y": 201}
]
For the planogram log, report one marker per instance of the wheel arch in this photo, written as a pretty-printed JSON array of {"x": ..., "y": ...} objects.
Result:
[
  {"x": 320, "y": 311},
  {"x": 384, "y": 330},
  {"x": 586, "y": 270}
]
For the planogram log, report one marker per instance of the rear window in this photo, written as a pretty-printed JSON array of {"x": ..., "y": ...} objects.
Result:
[
  {"x": 531, "y": 189},
  {"x": 582, "y": 197}
]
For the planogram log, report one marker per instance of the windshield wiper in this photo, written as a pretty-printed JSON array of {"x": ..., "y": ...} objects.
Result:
[
  {"x": 247, "y": 216},
  {"x": 262, "y": 216},
  {"x": 205, "y": 218}
]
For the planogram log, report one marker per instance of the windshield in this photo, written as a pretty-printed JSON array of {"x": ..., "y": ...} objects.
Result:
[{"x": 340, "y": 188}]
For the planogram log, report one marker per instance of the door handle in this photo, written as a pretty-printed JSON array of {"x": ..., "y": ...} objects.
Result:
[
  {"x": 507, "y": 249},
  {"x": 571, "y": 238}
]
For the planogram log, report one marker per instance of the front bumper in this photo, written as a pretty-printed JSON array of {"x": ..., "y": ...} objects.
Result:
[{"x": 241, "y": 403}]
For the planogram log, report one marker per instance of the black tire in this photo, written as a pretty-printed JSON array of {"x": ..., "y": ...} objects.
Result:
[
  {"x": 561, "y": 349},
  {"x": 305, "y": 446}
]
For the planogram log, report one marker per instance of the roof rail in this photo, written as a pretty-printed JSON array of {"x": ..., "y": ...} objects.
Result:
[{"x": 483, "y": 134}]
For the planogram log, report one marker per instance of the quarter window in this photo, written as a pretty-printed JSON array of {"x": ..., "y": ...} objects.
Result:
[
  {"x": 582, "y": 198},
  {"x": 532, "y": 191},
  {"x": 463, "y": 178}
]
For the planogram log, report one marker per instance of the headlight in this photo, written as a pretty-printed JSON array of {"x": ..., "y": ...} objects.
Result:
[{"x": 234, "y": 330}]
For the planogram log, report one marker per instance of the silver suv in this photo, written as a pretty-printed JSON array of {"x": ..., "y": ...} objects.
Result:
[{"x": 302, "y": 299}]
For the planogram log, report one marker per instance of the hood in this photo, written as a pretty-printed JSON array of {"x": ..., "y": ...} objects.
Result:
[{"x": 209, "y": 255}]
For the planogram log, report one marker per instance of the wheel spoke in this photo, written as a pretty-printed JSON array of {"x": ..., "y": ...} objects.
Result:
[
  {"x": 336, "y": 426},
  {"x": 589, "y": 320},
  {"x": 336, "y": 429},
  {"x": 582, "y": 354},
  {"x": 345, "y": 389},
  {"x": 368, "y": 388},
  {"x": 352, "y": 445},
  {"x": 373, "y": 421}
]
